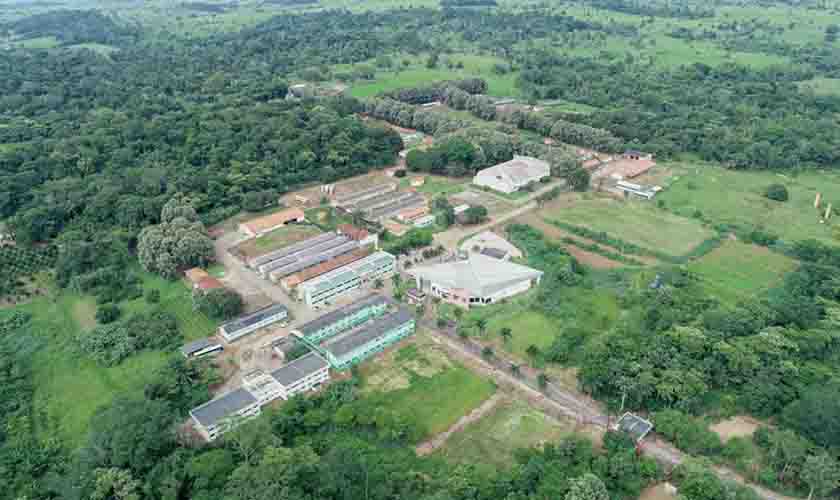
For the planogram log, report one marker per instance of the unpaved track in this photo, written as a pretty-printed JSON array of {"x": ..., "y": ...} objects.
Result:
[
  {"x": 436, "y": 442},
  {"x": 571, "y": 404}
]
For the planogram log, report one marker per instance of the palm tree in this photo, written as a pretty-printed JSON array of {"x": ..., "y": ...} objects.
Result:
[
  {"x": 514, "y": 369},
  {"x": 481, "y": 325},
  {"x": 487, "y": 353},
  {"x": 378, "y": 283},
  {"x": 532, "y": 351},
  {"x": 506, "y": 334},
  {"x": 542, "y": 380}
]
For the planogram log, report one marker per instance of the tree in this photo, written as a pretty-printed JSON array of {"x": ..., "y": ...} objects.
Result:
[
  {"x": 822, "y": 475},
  {"x": 487, "y": 353},
  {"x": 542, "y": 381},
  {"x": 219, "y": 303},
  {"x": 396, "y": 280},
  {"x": 378, "y": 284},
  {"x": 476, "y": 214},
  {"x": 432, "y": 61},
  {"x": 115, "y": 484},
  {"x": 506, "y": 333},
  {"x": 481, "y": 326},
  {"x": 515, "y": 369},
  {"x": 587, "y": 487},
  {"x": 532, "y": 351},
  {"x": 107, "y": 313},
  {"x": 776, "y": 192},
  {"x": 170, "y": 246},
  {"x": 280, "y": 474},
  {"x": 152, "y": 296},
  {"x": 816, "y": 415}
]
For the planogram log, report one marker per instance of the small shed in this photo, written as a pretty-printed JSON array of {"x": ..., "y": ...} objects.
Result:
[{"x": 634, "y": 425}]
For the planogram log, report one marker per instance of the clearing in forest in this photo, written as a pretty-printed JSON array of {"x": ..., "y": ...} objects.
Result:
[
  {"x": 738, "y": 426},
  {"x": 637, "y": 222},
  {"x": 418, "y": 380},
  {"x": 736, "y": 197},
  {"x": 737, "y": 271},
  {"x": 511, "y": 425},
  {"x": 275, "y": 240}
]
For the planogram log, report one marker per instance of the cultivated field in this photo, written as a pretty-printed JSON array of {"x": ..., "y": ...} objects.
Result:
[
  {"x": 493, "y": 439},
  {"x": 275, "y": 240},
  {"x": 72, "y": 387},
  {"x": 738, "y": 271},
  {"x": 420, "y": 381},
  {"x": 730, "y": 196},
  {"x": 636, "y": 222}
]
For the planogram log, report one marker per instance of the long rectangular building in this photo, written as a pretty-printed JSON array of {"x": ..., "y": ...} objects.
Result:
[
  {"x": 312, "y": 260},
  {"x": 379, "y": 201},
  {"x": 244, "y": 325},
  {"x": 330, "y": 286},
  {"x": 342, "y": 319},
  {"x": 307, "y": 253},
  {"x": 370, "y": 338},
  {"x": 416, "y": 200},
  {"x": 289, "y": 283},
  {"x": 259, "y": 389},
  {"x": 291, "y": 249},
  {"x": 364, "y": 194}
]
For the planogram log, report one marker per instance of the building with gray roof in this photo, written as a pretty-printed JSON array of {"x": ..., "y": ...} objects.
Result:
[
  {"x": 329, "y": 286},
  {"x": 342, "y": 318},
  {"x": 291, "y": 249},
  {"x": 250, "y": 323},
  {"x": 511, "y": 176},
  {"x": 372, "y": 337},
  {"x": 200, "y": 347},
  {"x": 413, "y": 201},
  {"x": 476, "y": 280},
  {"x": 218, "y": 415},
  {"x": 301, "y": 375}
]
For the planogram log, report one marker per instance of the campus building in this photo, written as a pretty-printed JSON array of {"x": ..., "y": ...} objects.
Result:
[
  {"x": 477, "y": 280},
  {"x": 259, "y": 389},
  {"x": 200, "y": 347},
  {"x": 512, "y": 175},
  {"x": 342, "y": 319},
  {"x": 328, "y": 287},
  {"x": 258, "y": 227},
  {"x": 372, "y": 337},
  {"x": 250, "y": 323},
  {"x": 363, "y": 194}
]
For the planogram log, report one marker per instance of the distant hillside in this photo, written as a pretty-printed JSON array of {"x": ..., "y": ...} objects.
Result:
[{"x": 71, "y": 27}]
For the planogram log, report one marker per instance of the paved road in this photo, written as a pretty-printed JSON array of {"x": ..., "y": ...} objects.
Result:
[{"x": 576, "y": 405}]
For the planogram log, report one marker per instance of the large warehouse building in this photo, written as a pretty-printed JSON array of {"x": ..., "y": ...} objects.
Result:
[
  {"x": 244, "y": 325},
  {"x": 477, "y": 280}
]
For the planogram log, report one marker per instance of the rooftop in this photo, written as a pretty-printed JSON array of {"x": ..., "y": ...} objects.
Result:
[
  {"x": 416, "y": 199},
  {"x": 196, "y": 345},
  {"x": 253, "y": 318},
  {"x": 349, "y": 197},
  {"x": 340, "y": 313},
  {"x": 196, "y": 274},
  {"x": 325, "y": 267},
  {"x": 634, "y": 425},
  {"x": 209, "y": 283},
  {"x": 478, "y": 274},
  {"x": 224, "y": 406},
  {"x": 292, "y": 249},
  {"x": 367, "y": 333},
  {"x": 521, "y": 169},
  {"x": 302, "y": 367},
  {"x": 353, "y": 232},
  {"x": 490, "y": 239},
  {"x": 348, "y": 272},
  {"x": 309, "y": 251},
  {"x": 494, "y": 252},
  {"x": 304, "y": 262},
  {"x": 276, "y": 219}
]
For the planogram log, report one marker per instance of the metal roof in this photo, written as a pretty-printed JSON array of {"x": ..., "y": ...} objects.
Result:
[
  {"x": 478, "y": 274},
  {"x": 316, "y": 324},
  {"x": 294, "y": 248},
  {"x": 415, "y": 200},
  {"x": 314, "y": 260},
  {"x": 634, "y": 425},
  {"x": 347, "y": 198},
  {"x": 368, "y": 332},
  {"x": 381, "y": 200},
  {"x": 298, "y": 369},
  {"x": 312, "y": 251},
  {"x": 494, "y": 252},
  {"x": 224, "y": 406},
  {"x": 255, "y": 317},
  {"x": 347, "y": 273},
  {"x": 196, "y": 345}
]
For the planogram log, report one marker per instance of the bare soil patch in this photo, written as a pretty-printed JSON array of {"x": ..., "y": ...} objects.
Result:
[
  {"x": 738, "y": 426},
  {"x": 84, "y": 312},
  {"x": 658, "y": 492}
]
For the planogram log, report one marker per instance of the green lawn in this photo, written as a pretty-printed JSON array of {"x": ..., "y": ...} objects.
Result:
[
  {"x": 437, "y": 185},
  {"x": 492, "y": 440},
  {"x": 637, "y": 222},
  {"x": 737, "y": 271},
  {"x": 284, "y": 236},
  {"x": 417, "y": 74},
  {"x": 735, "y": 197},
  {"x": 70, "y": 387},
  {"x": 420, "y": 381}
]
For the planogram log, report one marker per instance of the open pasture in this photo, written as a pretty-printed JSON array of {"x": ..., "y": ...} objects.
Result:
[
  {"x": 738, "y": 271},
  {"x": 736, "y": 197},
  {"x": 636, "y": 222}
]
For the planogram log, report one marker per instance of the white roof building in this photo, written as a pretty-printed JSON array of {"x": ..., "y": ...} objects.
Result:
[
  {"x": 488, "y": 240},
  {"x": 512, "y": 175},
  {"x": 478, "y": 280}
]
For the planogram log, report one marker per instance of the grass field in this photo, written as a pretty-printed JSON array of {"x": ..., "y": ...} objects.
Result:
[
  {"x": 494, "y": 439},
  {"x": 737, "y": 271},
  {"x": 420, "y": 381},
  {"x": 276, "y": 239},
  {"x": 437, "y": 185},
  {"x": 735, "y": 197},
  {"x": 637, "y": 222},
  {"x": 71, "y": 387},
  {"x": 417, "y": 74},
  {"x": 821, "y": 86}
]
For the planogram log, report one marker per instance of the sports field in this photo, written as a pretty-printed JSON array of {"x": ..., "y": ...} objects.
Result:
[
  {"x": 512, "y": 425},
  {"x": 738, "y": 271},
  {"x": 420, "y": 382},
  {"x": 636, "y": 222},
  {"x": 735, "y": 197}
]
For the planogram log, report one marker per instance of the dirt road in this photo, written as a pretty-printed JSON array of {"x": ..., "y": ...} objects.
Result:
[
  {"x": 450, "y": 238},
  {"x": 436, "y": 442},
  {"x": 572, "y": 404}
]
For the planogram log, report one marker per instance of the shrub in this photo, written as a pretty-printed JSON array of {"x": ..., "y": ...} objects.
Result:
[
  {"x": 107, "y": 313},
  {"x": 219, "y": 304},
  {"x": 399, "y": 173},
  {"x": 776, "y": 192},
  {"x": 152, "y": 296}
]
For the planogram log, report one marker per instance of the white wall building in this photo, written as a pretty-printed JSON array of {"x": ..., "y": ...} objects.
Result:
[
  {"x": 330, "y": 286},
  {"x": 250, "y": 323},
  {"x": 511, "y": 176}
]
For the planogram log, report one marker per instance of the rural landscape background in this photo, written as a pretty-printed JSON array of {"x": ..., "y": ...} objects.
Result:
[{"x": 711, "y": 309}]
